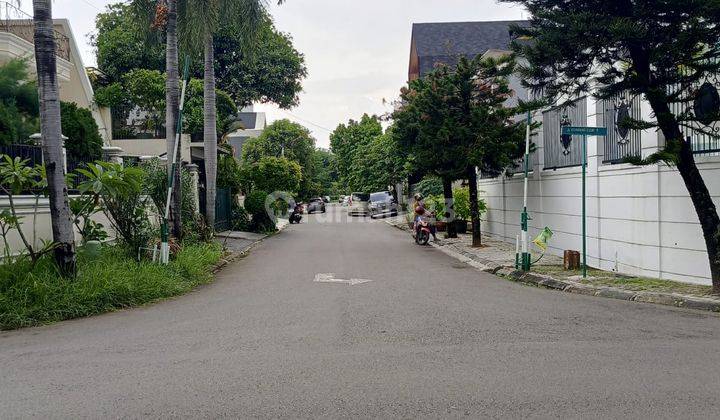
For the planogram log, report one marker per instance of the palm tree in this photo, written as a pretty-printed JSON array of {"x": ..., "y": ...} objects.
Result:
[
  {"x": 63, "y": 234},
  {"x": 204, "y": 18},
  {"x": 155, "y": 15},
  {"x": 172, "y": 98}
]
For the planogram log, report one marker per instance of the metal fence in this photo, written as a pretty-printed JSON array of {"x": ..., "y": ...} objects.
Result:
[
  {"x": 556, "y": 155},
  {"x": 621, "y": 142},
  {"x": 24, "y": 151},
  {"x": 704, "y": 136}
]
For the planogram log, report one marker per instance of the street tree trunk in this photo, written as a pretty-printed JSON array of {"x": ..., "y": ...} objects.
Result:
[
  {"x": 676, "y": 144},
  {"x": 699, "y": 194},
  {"x": 474, "y": 207},
  {"x": 449, "y": 208},
  {"x": 172, "y": 98},
  {"x": 62, "y": 228},
  {"x": 210, "y": 131}
]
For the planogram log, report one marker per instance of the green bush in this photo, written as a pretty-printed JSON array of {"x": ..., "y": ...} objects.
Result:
[
  {"x": 273, "y": 174},
  {"x": 229, "y": 174},
  {"x": 78, "y": 125},
  {"x": 255, "y": 205},
  {"x": 37, "y": 295},
  {"x": 462, "y": 204},
  {"x": 18, "y": 103},
  {"x": 430, "y": 185},
  {"x": 156, "y": 186},
  {"x": 240, "y": 218}
]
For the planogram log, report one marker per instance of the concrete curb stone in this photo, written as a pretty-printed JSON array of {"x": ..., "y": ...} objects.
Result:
[{"x": 668, "y": 299}]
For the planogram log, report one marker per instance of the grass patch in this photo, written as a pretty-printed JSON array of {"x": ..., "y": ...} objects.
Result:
[
  {"x": 110, "y": 281},
  {"x": 637, "y": 284}
]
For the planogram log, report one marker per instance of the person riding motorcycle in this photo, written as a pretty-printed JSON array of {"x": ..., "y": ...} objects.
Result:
[{"x": 420, "y": 212}]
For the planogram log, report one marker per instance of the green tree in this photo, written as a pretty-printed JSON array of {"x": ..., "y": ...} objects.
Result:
[
  {"x": 347, "y": 140},
  {"x": 273, "y": 174},
  {"x": 18, "y": 103},
  {"x": 663, "y": 50},
  {"x": 123, "y": 44},
  {"x": 325, "y": 175},
  {"x": 455, "y": 120},
  {"x": 78, "y": 125},
  {"x": 288, "y": 139},
  {"x": 272, "y": 71},
  {"x": 378, "y": 164}
]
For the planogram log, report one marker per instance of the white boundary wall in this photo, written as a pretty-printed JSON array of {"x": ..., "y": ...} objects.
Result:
[{"x": 640, "y": 220}]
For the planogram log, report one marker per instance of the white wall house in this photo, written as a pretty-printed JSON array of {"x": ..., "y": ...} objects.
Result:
[
  {"x": 640, "y": 219},
  {"x": 16, "y": 41}
]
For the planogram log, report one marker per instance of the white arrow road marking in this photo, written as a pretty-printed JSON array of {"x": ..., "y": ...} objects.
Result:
[{"x": 330, "y": 278}]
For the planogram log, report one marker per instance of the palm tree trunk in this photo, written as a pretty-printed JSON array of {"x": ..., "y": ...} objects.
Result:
[
  {"x": 210, "y": 131},
  {"x": 62, "y": 228},
  {"x": 172, "y": 98}
]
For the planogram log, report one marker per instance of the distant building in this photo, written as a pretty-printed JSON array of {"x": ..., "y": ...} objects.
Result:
[
  {"x": 443, "y": 43},
  {"x": 16, "y": 41},
  {"x": 253, "y": 124}
]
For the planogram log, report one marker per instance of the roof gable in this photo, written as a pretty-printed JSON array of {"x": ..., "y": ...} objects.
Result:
[{"x": 444, "y": 42}]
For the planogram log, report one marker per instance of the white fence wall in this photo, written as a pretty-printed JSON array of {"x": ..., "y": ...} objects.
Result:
[{"x": 640, "y": 220}]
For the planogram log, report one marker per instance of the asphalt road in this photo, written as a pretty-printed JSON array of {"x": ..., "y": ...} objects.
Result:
[{"x": 427, "y": 337}]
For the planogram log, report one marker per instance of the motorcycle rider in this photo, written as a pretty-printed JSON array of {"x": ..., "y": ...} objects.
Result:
[{"x": 420, "y": 212}]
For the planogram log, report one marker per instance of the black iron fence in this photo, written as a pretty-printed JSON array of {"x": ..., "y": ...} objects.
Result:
[{"x": 24, "y": 151}]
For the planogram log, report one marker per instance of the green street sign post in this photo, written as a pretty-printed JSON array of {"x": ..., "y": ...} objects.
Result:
[{"x": 584, "y": 132}]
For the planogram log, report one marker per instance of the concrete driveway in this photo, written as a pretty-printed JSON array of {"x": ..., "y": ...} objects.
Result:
[{"x": 427, "y": 337}]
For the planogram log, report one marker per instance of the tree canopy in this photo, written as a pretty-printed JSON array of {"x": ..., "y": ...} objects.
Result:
[
  {"x": 271, "y": 71},
  {"x": 348, "y": 141},
  {"x": 18, "y": 103},
  {"x": 284, "y": 138},
  {"x": 458, "y": 119}
]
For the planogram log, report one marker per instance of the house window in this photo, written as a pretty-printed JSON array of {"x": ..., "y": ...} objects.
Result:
[
  {"x": 563, "y": 151},
  {"x": 621, "y": 142}
]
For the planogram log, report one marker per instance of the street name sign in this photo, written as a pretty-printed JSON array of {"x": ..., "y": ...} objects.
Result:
[{"x": 584, "y": 131}]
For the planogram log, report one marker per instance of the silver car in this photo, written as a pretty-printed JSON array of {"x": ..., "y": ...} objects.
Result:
[
  {"x": 382, "y": 203},
  {"x": 359, "y": 204}
]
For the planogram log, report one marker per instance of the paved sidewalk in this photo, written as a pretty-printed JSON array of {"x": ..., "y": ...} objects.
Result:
[{"x": 498, "y": 258}]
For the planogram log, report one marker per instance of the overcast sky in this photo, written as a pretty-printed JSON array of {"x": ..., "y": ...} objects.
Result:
[{"x": 356, "y": 51}]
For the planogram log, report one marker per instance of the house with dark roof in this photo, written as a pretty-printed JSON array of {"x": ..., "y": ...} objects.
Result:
[{"x": 443, "y": 43}]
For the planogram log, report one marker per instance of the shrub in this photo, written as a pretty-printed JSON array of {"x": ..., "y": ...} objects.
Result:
[
  {"x": 462, "y": 204},
  {"x": 78, "y": 125},
  {"x": 240, "y": 220},
  {"x": 273, "y": 174},
  {"x": 255, "y": 205},
  {"x": 120, "y": 190},
  {"x": 156, "y": 186},
  {"x": 229, "y": 174},
  {"x": 430, "y": 185}
]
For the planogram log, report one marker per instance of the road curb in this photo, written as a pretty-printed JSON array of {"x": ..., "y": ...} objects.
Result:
[
  {"x": 232, "y": 256},
  {"x": 548, "y": 282}
]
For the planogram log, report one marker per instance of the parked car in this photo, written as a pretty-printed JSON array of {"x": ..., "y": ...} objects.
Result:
[
  {"x": 382, "y": 203},
  {"x": 359, "y": 204},
  {"x": 316, "y": 204}
]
